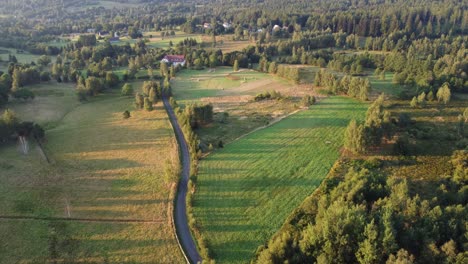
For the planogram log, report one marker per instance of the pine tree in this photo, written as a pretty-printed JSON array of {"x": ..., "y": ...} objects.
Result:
[
  {"x": 414, "y": 102},
  {"x": 353, "y": 140},
  {"x": 389, "y": 244},
  {"x": 430, "y": 96},
  {"x": 368, "y": 251}
]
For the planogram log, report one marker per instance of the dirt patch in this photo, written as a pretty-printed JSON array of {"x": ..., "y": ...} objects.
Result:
[{"x": 232, "y": 77}]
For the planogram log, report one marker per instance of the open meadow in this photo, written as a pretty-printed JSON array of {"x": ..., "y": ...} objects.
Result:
[
  {"x": 104, "y": 197},
  {"x": 246, "y": 190},
  {"x": 22, "y": 57},
  {"x": 233, "y": 93}
]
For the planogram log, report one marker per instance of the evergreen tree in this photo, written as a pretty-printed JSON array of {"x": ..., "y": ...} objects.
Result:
[
  {"x": 414, "y": 102},
  {"x": 430, "y": 96},
  {"x": 353, "y": 137},
  {"x": 368, "y": 252}
]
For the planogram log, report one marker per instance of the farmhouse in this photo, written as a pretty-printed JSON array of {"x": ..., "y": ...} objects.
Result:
[{"x": 174, "y": 59}]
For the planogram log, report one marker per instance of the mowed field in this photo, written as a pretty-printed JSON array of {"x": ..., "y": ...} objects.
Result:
[
  {"x": 106, "y": 175},
  {"x": 246, "y": 190}
]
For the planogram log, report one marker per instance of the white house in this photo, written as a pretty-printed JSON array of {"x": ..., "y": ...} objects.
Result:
[{"x": 174, "y": 60}]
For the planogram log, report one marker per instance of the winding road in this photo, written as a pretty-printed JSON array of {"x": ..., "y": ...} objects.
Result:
[{"x": 180, "y": 211}]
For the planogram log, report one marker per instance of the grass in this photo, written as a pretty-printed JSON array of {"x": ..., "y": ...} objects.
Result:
[
  {"x": 225, "y": 43},
  {"x": 433, "y": 138},
  {"x": 103, "y": 167},
  {"x": 246, "y": 190},
  {"x": 52, "y": 102},
  {"x": 156, "y": 41},
  {"x": 24, "y": 57},
  {"x": 232, "y": 93},
  {"x": 386, "y": 86},
  {"x": 193, "y": 85}
]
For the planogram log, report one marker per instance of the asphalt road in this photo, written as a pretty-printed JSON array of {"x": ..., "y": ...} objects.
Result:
[{"x": 180, "y": 210}]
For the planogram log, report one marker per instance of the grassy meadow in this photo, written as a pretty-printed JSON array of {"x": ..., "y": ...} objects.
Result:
[
  {"x": 103, "y": 167},
  {"x": 24, "y": 57},
  {"x": 232, "y": 93},
  {"x": 246, "y": 190},
  {"x": 225, "y": 43}
]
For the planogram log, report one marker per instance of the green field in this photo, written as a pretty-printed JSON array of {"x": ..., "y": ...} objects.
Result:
[
  {"x": 246, "y": 190},
  {"x": 103, "y": 167},
  {"x": 232, "y": 93},
  {"x": 193, "y": 85},
  {"x": 24, "y": 57},
  {"x": 386, "y": 86}
]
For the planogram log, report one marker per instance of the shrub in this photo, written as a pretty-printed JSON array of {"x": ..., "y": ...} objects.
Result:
[
  {"x": 147, "y": 104},
  {"x": 24, "y": 94},
  {"x": 127, "y": 90},
  {"x": 401, "y": 146},
  {"x": 126, "y": 114}
]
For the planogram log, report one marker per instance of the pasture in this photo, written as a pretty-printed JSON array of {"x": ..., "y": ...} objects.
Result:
[
  {"x": 246, "y": 190},
  {"x": 106, "y": 171}
]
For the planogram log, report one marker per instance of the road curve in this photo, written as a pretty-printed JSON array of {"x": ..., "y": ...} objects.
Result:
[{"x": 180, "y": 209}]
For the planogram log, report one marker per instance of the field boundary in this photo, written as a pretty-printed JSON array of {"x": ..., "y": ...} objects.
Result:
[
  {"x": 75, "y": 219},
  {"x": 271, "y": 123}
]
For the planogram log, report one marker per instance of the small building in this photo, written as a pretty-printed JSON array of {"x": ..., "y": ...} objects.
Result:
[
  {"x": 227, "y": 25},
  {"x": 276, "y": 28},
  {"x": 207, "y": 25},
  {"x": 174, "y": 60},
  {"x": 103, "y": 34},
  {"x": 114, "y": 39}
]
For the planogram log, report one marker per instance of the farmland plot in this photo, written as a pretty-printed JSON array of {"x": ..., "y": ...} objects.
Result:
[{"x": 246, "y": 190}]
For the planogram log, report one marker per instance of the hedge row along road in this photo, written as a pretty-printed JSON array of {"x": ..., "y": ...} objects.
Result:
[{"x": 180, "y": 211}]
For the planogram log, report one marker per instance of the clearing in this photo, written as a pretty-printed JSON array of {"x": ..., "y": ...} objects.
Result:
[
  {"x": 246, "y": 190},
  {"x": 232, "y": 93}
]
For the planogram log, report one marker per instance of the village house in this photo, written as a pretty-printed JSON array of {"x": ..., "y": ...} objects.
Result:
[{"x": 174, "y": 60}]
